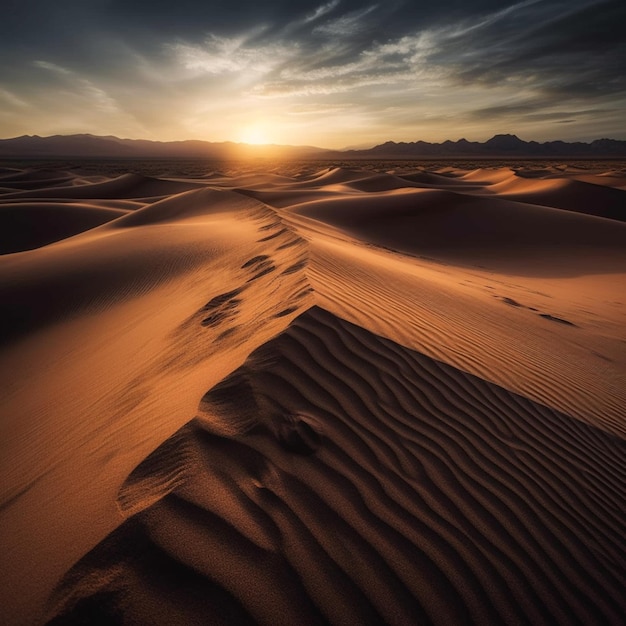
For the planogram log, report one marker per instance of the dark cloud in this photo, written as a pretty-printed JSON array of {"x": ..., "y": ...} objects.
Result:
[
  {"x": 373, "y": 63},
  {"x": 578, "y": 51},
  {"x": 65, "y": 27},
  {"x": 193, "y": 18},
  {"x": 532, "y": 112}
]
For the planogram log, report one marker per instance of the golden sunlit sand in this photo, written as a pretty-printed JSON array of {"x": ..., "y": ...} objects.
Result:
[{"x": 313, "y": 395}]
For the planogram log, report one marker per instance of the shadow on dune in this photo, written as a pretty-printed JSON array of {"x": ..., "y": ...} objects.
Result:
[{"x": 427, "y": 496}]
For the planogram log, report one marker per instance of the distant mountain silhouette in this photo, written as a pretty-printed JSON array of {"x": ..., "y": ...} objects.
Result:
[
  {"x": 92, "y": 146},
  {"x": 497, "y": 146}
]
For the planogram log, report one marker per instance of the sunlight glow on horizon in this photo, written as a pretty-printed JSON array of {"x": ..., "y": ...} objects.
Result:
[
  {"x": 327, "y": 73},
  {"x": 254, "y": 135}
]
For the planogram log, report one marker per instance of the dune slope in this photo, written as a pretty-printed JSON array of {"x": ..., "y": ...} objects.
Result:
[
  {"x": 321, "y": 394},
  {"x": 373, "y": 485}
]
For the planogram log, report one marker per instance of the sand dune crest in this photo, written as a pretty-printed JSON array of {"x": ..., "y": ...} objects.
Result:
[
  {"x": 383, "y": 393},
  {"x": 389, "y": 504}
]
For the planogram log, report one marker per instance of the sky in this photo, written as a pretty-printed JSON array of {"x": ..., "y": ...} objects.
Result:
[{"x": 327, "y": 73}]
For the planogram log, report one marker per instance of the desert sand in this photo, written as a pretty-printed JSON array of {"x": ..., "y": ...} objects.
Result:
[{"x": 315, "y": 394}]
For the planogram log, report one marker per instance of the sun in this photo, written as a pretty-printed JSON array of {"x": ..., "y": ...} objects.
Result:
[{"x": 254, "y": 135}]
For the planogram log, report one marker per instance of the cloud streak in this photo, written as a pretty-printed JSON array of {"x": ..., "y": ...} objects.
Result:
[
  {"x": 321, "y": 10},
  {"x": 231, "y": 55},
  {"x": 376, "y": 70}
]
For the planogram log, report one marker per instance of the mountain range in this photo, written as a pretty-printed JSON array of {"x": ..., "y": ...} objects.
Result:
[
  {"x": 497, "y": 146},
  {"x": 92, "y": 146}
]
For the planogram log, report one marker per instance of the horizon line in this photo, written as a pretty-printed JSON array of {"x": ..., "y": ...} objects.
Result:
[{"x": 308, "y": 146}]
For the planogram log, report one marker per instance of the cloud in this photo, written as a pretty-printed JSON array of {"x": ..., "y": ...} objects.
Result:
[
  {"x": 576, "y": 52},
  {"x": 347, "y": 25},
  {"x": 441, "y": 72},
  {"x": 321, "y": 10},
  {"x": 53, "y": 67},
  {"x": 12, "y": 100},
  {"x": 231, "y": 55},
  {"x": 555, "y": 56},
  {"x": 529, "y": 111},
  {"x": 393, "y": 69},
  {"x": 469, "y": 26},
  {"x": 338, "y": 70},
  {"x": 82, "y": 87}
]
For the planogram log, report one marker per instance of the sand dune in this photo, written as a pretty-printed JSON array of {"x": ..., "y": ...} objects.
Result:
[
  {"x": 373, "y": 484},
  {"x": 486, "y": 176},
  {"x": 434, "y": 179},
  {"x": 28, "y": 225},
  {"x": 126, "y": 186},
  {"x": 312, "y": 396},
  {"x": 607, "y": 179},
  {"x": 449, "y": 226},
  {"x": 34, "y": 179},
  {"x": 573, "y": 195},
  {"x": 332, "y": 176}
]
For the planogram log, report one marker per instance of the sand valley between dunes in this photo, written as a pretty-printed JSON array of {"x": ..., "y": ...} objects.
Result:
[{"x": 317, "y": 394}]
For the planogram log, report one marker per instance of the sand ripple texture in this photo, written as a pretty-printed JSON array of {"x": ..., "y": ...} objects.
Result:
[
  {"x": 377, "y": 486},
  {"x": 381, "y": 393}
]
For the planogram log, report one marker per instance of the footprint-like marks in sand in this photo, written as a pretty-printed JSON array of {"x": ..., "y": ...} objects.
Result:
[
  {"x": 217, "y": 318},
  {"x": 271, "y": 225},
  {"x": 510, "y": 302},
  {"x": 290, "y": 244},
  {"x": 266, "y": 268},
  {"x": 283, "y": 255},
  {"x": 260, "y": 265},
  {"x": 222, "y": 299},
  {"x": 338, "y": 477},
  {"x": 278, "y": 233},
  {"x": 222, "y": 308},
  {"x": 546, "y": 316},
  {"x": 255, "y": 260},
  {"x": 552, "y": 318},
  {"x": 287, "y": 311},
  {"x": 296, "y": 267}
]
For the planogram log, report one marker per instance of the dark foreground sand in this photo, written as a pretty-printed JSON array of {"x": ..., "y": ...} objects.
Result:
[{"x": 335, "y": 396}]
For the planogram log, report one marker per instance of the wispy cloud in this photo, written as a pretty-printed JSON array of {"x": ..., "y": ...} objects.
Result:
[
  {"x": 82, "y": 87},
  {"x": 455, "y": 54},
  {"x": 403, "y": 61},
  {"x": 465, "y": 27},
  {"x": 11, "y": 99},
  {"x": 347, "y": 25},
  {"x": 52, "y": 67},
  {"x": 394, "y": 69},
  {"x": 232, "y": 55},
  {"x": 321, "y": 10}
]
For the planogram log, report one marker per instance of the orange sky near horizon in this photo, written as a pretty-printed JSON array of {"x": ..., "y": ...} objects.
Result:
[{"x": 326, "y": 73}]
